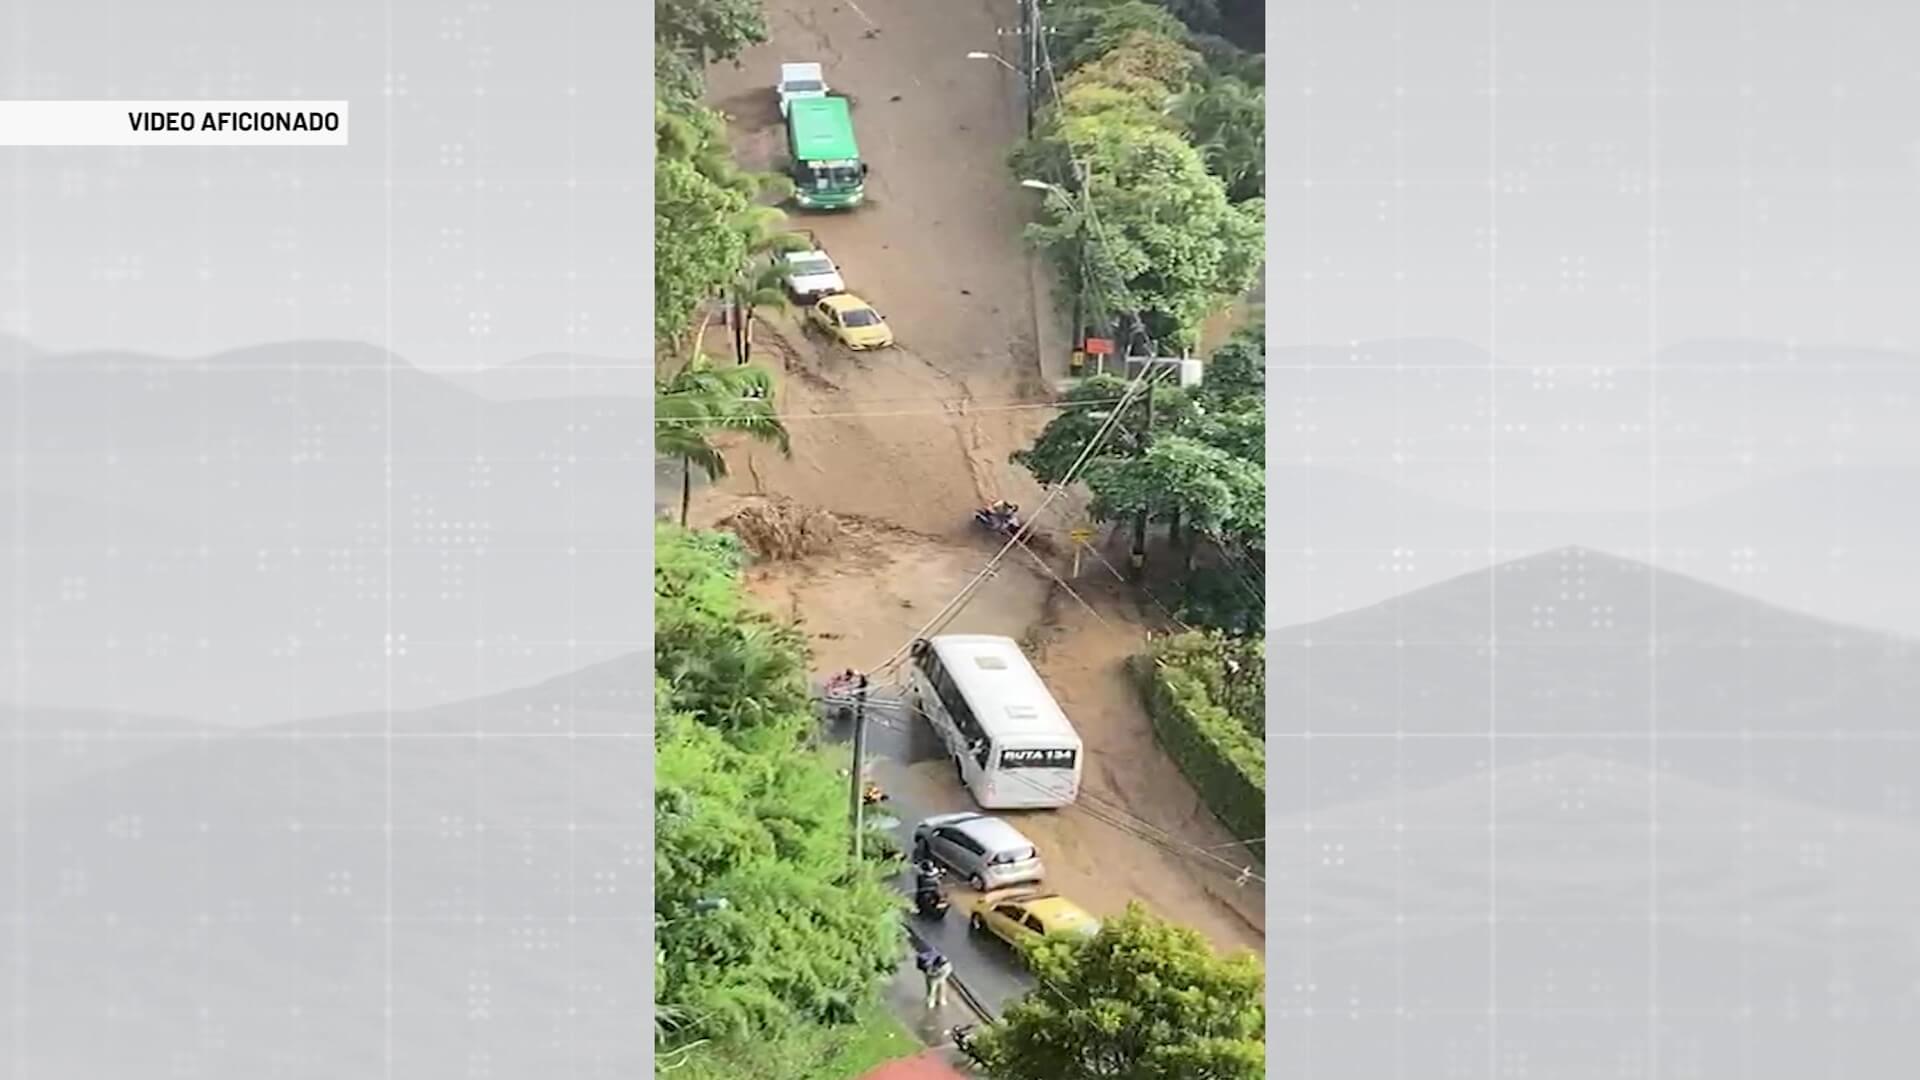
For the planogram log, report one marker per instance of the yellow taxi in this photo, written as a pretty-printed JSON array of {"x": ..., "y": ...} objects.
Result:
[
  {"x": 1023, "y": 917},
  {"x": 850, "y": 321}
]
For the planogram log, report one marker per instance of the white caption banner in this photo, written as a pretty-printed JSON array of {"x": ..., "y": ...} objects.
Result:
[{"x": 173, "y": 123}]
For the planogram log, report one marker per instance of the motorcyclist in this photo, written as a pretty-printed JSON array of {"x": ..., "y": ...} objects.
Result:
[
  {"x": 1003, "y": 513},
  {"x": 926, "y": 887}
]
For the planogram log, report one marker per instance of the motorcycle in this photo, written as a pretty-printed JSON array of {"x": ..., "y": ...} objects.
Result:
[
  {"x": 962, "y": 1038},
  {"x": 1002, "y": 518},
  {"x": 929, "y": 900}
]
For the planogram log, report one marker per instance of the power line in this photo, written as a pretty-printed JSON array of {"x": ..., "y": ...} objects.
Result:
[
  {"x": 1098, "y": 807},
  {"x": 961, "y": 411},
  {"x": 951, "y": 607}
]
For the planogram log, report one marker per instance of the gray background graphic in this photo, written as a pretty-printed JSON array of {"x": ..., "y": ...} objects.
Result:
[
  {"x": 1595, "y": 537},
  {"x": 325, "y": 506}
]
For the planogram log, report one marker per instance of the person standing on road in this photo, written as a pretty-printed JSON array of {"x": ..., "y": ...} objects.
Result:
[{"x": 938, "y": 969}]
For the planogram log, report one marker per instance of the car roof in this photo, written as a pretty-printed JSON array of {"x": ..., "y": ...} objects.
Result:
[
  {"x": 999, "y": 682},
  {"x": 1058, "y": 910},
  {"x": 993, "y": 833},
  {"x": 799, "y": 71}
]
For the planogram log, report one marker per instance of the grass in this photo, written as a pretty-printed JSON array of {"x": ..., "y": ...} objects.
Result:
[{"x": 819, "y": 1053}]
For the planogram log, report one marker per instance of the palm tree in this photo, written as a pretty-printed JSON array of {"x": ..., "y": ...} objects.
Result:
[
  {"x": 702, "y": 400},
  {"x": 759, "y": 285}
]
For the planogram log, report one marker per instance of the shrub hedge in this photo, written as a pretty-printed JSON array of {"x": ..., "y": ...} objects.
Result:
[{"x": 1221, "y": 753}]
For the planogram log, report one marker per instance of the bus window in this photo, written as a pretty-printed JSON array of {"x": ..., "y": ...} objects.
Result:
[
  {"x": 955, "y": 703},
  {"x": 982, "y": 751}
]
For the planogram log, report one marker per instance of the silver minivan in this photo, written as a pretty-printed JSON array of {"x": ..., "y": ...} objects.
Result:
[{"x": 987, "y": 851}]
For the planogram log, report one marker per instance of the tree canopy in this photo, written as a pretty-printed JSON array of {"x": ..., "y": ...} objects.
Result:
[
  {"x": 1201, "y": 470},
  {"x": 699, "y": 201},
  {"x": 1182, "y": 479},
  {"x": 1162, "y": 236},
  {"x": 765, "y": 920},
  {"x": 1142, "y": 1000},
  {"x": 690, "y": 34}
]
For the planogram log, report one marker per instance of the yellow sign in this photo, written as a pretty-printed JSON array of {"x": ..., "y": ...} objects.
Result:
[{"x": 1081, "y": 535}]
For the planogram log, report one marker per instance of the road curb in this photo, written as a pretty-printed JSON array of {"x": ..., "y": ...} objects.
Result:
[{"x": 967, "y": 997}]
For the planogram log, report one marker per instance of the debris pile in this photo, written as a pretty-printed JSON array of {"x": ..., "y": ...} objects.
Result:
[{"x": 783, "y": 529}]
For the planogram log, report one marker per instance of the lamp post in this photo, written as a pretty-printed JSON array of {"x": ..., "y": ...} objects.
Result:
[
  {"x": 996, "y": 58},
  {"x": 1025, "y": 79},
  {"x": 1080, "y": 294}
]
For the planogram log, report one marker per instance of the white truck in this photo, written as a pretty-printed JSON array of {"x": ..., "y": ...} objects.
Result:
[
  {"x": 799, "y": 81},
  {"x": 810, "y": 274}
]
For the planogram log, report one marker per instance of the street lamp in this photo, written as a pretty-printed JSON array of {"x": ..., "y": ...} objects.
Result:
[
  {"x": 1042, "y": 185},
  {"x": 1026, "y": 81},
  {"x": 996, "y": 58}
]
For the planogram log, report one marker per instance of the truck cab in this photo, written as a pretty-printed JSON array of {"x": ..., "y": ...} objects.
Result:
[{"x": 799, "y": 81}]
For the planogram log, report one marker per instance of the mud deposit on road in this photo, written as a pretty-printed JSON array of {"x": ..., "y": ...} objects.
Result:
[
  {"x": 901, "y": 445},
  {"x": 1135, "y": 831},
  {"x": 937, "y": 250}
]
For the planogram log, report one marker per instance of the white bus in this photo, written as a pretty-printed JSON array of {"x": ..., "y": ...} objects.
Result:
[{"x": 1011, "y": 745}]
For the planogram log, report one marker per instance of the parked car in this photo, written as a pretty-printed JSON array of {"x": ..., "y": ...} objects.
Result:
[
  {"x": 986, "y": 851},
  {"x": 851, "y": 321},
  {"x": 810, "y": 275},
  {"x": 1024, "y": 917},
  {"x": 799, "y": 81}
]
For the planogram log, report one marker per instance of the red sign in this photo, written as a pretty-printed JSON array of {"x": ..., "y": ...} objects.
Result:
[{"x": 1099, "y": 346}]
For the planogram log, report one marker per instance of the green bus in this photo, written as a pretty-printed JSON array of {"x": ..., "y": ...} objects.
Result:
[{"x": 827, "y": 171}]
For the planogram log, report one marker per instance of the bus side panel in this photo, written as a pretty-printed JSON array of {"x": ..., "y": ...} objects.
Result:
[{"x": 935, "y": 713}]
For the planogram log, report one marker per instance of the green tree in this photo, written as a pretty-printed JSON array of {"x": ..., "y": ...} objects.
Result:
[
  {"x": 701, "y": 218},
  {"x": 1241, "y": 432},
  {"x": 1237, "y": 370},
  {"x": 763, "y": 920},
  {"x": 733, "y": 669},
  {"x": 760, "y": 285},
  {"x": 1226, "y": 118},
  {"x": 1086, "y": 408},
  {"x": 708, "y": 224},
  {"x": 1142, "y": 1000},
  {"x": 1168, "y": 243},
  {"x": 1088, "y": 29},
  {"x": 1181, "y": 480},
  {"x": 699, "y": 32},
  {"x": 702, "y": 400}
]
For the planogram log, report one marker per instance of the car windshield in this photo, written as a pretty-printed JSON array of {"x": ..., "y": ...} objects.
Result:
[
  {"x": 809, "y": 267},
  {"x": 805, "y": 86},
  {"x": 860, "y": 317}
]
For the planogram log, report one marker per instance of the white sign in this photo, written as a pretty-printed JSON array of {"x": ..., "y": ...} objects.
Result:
[{"x": 173, "y": 123}]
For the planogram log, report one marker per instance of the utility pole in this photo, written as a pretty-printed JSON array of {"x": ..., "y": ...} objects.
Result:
[
  {"x": 1031, "y": 15},
  {"x": 1139, "y": 566},
  {"x": 858, "y": 793}
]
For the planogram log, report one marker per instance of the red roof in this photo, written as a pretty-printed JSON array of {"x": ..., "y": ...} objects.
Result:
[{"x": 930, "y": 1065}]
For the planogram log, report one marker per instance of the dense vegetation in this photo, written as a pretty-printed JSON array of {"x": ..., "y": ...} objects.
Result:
[
  {"x": 712, "y": 238},
  {"x": 1143, "y": 999},
  {"x": 1206, "y": 694},
  {"x": 1154, "y": 137},
  {"x": 765, "y": 924},
  {"x": 771, "y": 940},
  {"x": 1200, "y": 472}
]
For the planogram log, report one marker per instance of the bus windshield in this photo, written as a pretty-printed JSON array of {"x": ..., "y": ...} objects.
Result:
[{"x": 834, "y": 175}]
